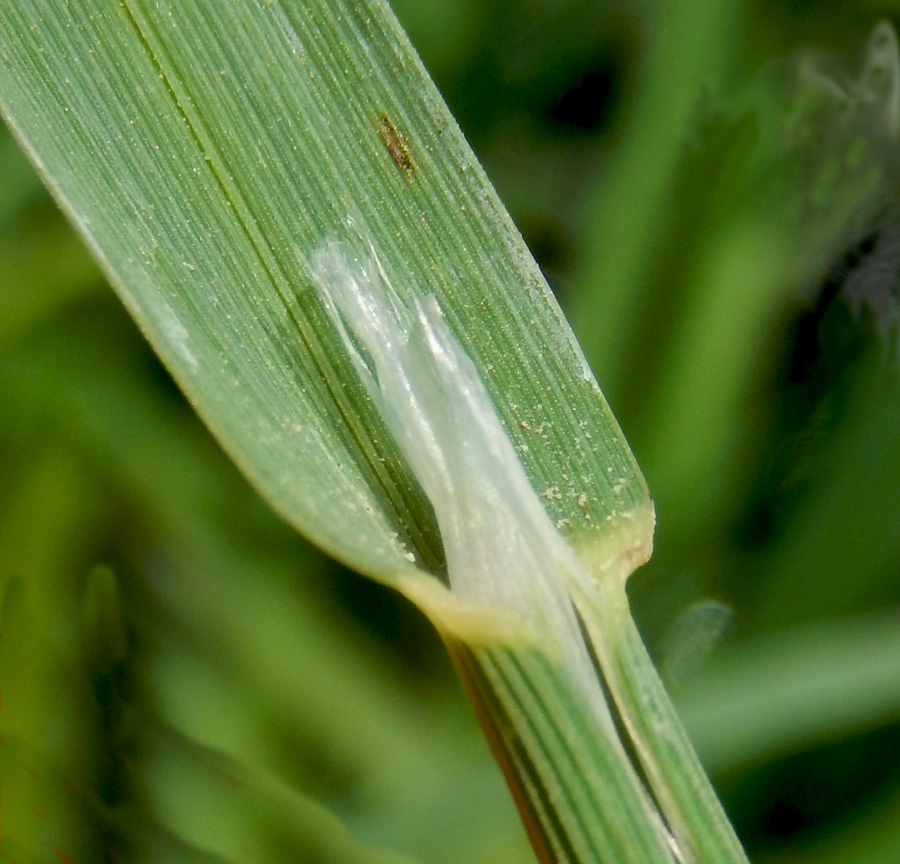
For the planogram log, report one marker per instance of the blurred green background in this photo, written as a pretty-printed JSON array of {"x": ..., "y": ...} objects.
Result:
[{"x": 184, "y": 679}]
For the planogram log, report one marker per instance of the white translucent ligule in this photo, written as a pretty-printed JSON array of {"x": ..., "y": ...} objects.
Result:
[{"x": 501, "y": 546}]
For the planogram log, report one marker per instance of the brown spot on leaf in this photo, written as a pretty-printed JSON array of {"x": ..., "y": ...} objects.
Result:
[{"x": 397, "y": 145}]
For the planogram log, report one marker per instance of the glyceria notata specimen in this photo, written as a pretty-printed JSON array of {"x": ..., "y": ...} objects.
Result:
[
  {"x": 195, "y": 172},
  {"x": 227, "y": 143}
]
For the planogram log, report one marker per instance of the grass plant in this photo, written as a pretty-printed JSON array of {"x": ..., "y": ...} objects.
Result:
[{"x": 290, "y": 214}]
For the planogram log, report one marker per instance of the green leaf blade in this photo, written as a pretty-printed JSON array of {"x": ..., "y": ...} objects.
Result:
[{"x": 203, "y": 176}]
